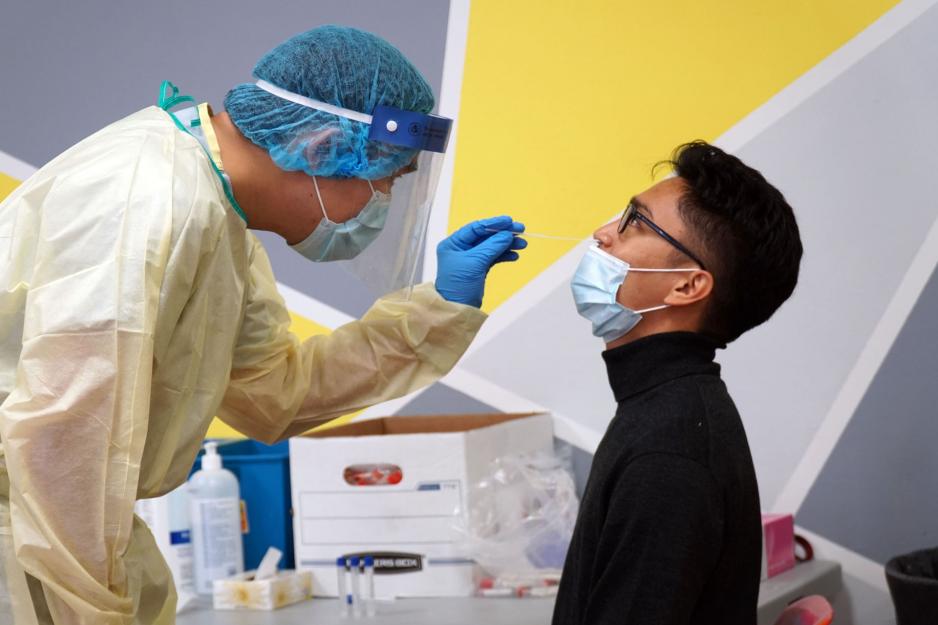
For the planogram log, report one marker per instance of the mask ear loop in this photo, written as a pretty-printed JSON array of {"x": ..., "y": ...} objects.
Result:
[
  {"x": 653, "y": 309},
  {"x": 319, "y": 197},
  {"x": 375, "y": 191},
  {"x": 640, "y": 270},
  {"x": 662, "y": 306}
]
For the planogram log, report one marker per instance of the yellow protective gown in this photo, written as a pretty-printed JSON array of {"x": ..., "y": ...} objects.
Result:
[{"x": 134, "y": 306}]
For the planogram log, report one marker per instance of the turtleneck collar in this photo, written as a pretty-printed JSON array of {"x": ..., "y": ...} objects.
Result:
[{"x": 653, "y": 360}]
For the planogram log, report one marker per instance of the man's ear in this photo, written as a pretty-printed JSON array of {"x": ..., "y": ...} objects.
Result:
[{"x": 692, "y": 287}]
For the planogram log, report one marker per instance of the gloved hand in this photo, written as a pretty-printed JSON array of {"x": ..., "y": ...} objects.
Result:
[{"x": 464, "y": 259}]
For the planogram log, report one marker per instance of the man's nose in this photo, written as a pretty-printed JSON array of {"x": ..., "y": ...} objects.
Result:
[{"x": 605, "y": 235}]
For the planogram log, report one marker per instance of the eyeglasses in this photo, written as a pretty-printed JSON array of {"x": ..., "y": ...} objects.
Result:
[{"x": 631, "y": 213}]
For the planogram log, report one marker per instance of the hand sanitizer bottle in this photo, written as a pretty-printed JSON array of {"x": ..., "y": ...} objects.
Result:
[{"x": 215, "y": 512}]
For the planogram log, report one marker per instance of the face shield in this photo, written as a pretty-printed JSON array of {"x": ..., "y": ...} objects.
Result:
[{"x": 392, "y": 261}]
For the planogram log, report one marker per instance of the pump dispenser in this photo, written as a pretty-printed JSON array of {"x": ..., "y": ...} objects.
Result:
[{"x": 215, "y": 511}]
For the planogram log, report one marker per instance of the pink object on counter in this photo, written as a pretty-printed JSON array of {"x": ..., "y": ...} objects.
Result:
[
  {"x": 813, "y": 610},
  {"x": 778, "y": 544}
]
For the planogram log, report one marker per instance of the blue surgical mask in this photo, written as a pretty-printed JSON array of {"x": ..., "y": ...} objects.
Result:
[
  {"x": 346, "y": 240},
  {"x": 595, "y": 286}
]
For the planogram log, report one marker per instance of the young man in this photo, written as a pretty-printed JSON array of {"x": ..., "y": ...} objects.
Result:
[{"x": 669, "y": 528}]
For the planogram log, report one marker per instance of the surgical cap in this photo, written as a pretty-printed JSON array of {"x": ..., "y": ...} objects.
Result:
[{"x": 340, "y": 66}]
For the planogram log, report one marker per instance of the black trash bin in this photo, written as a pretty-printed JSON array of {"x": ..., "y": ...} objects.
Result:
[{"x": 913, "y": 584}]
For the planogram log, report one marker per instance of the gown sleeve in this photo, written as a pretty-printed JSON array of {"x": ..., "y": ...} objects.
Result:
[{"x": 280, "y": 386}]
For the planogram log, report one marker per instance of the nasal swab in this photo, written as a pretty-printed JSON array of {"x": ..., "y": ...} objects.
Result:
[{"x": 536, "y": 235}]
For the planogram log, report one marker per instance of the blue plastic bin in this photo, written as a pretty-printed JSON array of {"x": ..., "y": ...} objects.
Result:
[{"x": 263, "y": 473}]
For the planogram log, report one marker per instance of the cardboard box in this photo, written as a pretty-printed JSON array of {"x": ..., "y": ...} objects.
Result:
[
  {"x": 399, "y": 488},
  {"x": 243, "y": 592},
  {"x": 778, "y": 544}
]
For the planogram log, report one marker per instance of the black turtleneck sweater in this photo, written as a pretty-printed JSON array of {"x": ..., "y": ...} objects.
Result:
[{"x": 669, "y": 529}]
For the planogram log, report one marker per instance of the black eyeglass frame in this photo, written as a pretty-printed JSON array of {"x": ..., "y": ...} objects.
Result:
[{"x": 632, "y": 213}]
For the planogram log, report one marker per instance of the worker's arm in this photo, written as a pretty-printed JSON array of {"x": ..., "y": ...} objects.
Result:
[{"x": 280, "y": 387}]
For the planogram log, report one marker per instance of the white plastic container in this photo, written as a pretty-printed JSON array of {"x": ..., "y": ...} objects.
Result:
[
  {"x": 168, "y": 519},
  {"x": 215, "y": 513}
]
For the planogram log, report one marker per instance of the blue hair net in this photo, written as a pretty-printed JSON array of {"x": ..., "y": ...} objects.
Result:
[{"x": 341, "y": 66}]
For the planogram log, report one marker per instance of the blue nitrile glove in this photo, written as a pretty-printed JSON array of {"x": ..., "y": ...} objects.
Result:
[{"x": 464, "y": 259}]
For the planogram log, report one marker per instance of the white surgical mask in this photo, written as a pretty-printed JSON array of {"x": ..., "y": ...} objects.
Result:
[
  {"x": 595, "y": 286},
  {"x": 343, "y": 241}
]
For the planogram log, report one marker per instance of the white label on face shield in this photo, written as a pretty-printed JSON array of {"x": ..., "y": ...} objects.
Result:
[{"x": 216, "y": 538}]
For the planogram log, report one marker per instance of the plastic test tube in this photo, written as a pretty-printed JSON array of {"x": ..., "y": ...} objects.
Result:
[
  {"x": 356, "y": 588},
  {"x": 342, "y": 568},
  {"x": 369, "y": 565}
]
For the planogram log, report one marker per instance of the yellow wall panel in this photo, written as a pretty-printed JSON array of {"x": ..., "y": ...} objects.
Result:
[
  {"x": 566, "y": 105},
  {"x": 7, "y": 184}
]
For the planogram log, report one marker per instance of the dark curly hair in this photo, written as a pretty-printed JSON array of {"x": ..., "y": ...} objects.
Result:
[{"x": 746, "y": 232}]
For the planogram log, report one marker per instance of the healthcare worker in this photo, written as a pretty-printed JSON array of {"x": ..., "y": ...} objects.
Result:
[{"x": 136, "y": 304}]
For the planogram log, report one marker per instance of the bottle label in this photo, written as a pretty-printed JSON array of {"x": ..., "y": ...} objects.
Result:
[
  {"x": 183, "y": 573},
  {"x": 216, "y": 525}
]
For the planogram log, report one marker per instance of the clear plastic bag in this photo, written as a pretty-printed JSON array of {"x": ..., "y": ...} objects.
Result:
[{"x": 522, "y": 518}]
